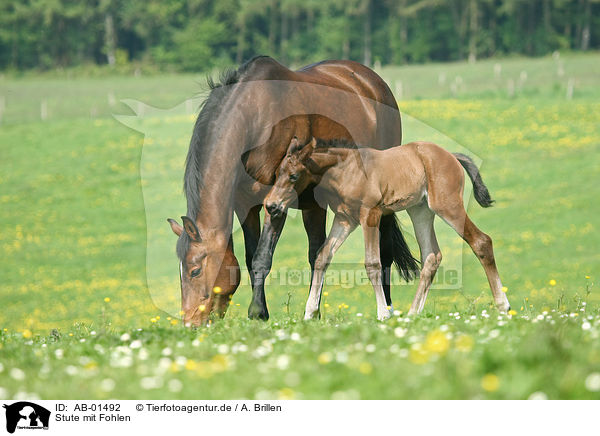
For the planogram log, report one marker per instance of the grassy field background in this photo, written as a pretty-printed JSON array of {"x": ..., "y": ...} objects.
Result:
[{"x": 81, "y": 308}]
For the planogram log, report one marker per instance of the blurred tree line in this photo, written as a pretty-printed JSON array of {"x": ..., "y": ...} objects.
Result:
[{"x": 195, "y": 35}]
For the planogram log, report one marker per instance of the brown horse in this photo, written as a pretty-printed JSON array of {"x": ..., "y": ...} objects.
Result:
[
  {"x": 363, "y": 185},
  {"x": 241, "y": 135}
]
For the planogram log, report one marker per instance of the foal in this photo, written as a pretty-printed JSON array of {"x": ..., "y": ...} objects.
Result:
[{"x": 362, "y": 184}]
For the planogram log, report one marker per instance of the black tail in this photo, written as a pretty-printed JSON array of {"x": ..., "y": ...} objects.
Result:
[
  {"x": 403, "y": 259},
  {"x": 482, "y": 195}
]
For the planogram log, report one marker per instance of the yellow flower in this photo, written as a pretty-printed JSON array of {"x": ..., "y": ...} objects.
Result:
[
  {"x": 217, "y": 290},
  {"x": 153, "y": 320},
  {"x": 325, "y": 294},
  {"x": 588, "y": 277},
  {"x": 190, "y": 365},
  {"x": 173, "y": 322},
  {"x": 106, "y": 299},
  {"x": 326, "y": 305},
  {"x": 286, "y": 394},
  {"x": 181, "y": 313},
  {"x": 324, "y": 358},
  {"x": 437, "y": 342},
  {"x": 504, "y": 289},
  {"x": 513, "y": 312},
  {"x": 365, "y": 368},
  {"x": 552, "y": 282},
  {"x": 202, "y": 308},
  {"x": 464, "y": 343},
  {"x": 419, "y": 355},
  {"x": 27, "y": 333},
  {"x": 490, "y": 382}
]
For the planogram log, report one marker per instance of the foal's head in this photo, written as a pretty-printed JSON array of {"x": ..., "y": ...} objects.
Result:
[{"x": 302, "y": 166}]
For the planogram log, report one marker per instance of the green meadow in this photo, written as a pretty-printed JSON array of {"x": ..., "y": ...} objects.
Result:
[{"x": 89, "y": 280}]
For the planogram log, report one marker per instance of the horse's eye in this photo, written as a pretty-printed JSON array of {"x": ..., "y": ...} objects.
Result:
[
  {"x": 293, "y": 178},
  {"x": 196, "y": 272}
]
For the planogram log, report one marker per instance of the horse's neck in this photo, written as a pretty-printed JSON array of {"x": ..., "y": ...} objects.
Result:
[{"x": 219, "y": 180}]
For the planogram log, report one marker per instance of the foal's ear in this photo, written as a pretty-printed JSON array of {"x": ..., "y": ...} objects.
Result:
[
  {"x": 294, "y": 146},
  {"x": 175, "y": 226},
  {"x": 190, "y": 228}
]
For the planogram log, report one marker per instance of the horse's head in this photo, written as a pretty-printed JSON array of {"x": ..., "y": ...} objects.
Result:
[
  {"x": 209, "y": 272},
  {"x": 303, "y": 165}
]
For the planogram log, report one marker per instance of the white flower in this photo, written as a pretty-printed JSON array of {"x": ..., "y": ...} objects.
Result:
[
  {"x": 167, "y": 351},
  {"x": 586, "y": 326},
  {"x": 400, "y": 332},
  {"x": 370, "y": 348},
  {"x": 17, "y": 374},
  {"x": 175, "y": 385},
  {"x": 71, "y": 370},
  {"x": 107, "y": 385},
  {"x": 143, "y": 354},
  {"x": 125, "y": 337},
  {"x": 538, "y": 396},
  {"x": 151, "y": 383},
  {"x": 59, "y": 353},
  {"x": 223, "y": 349},
  {"x": 3, "y": 393},
  {"x": 295, "y": 336},
  {"x": 195, "y": 343},
  {"x": 282, "y": 362},
  {"x": 341, "y": 357},
  {"x": 592, "y": 382},
  {"x": 135, "y": 344}
]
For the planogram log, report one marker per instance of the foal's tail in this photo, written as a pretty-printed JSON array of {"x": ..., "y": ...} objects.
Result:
[{"x": 482, "y": 195}]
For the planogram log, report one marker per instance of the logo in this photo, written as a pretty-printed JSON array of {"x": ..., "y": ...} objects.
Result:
[{"x": 26, "y": 415}]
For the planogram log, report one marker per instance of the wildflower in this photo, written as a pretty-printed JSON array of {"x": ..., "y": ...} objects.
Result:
[
  {"x": 174, "y": 322},
  {"x": 175, "y": 385},
  {"x": 538, "y": 396},
  {"x": 17, "y": 374},
  {"x": 552, "y": 282},
  {"x": 27, "y": 333},
  {"x": 282, "y": 362},
  {"x": 202, "y": 308},
  {"x": 325, "y": 294},
  {"x": 107, "y": 299},
  {"x": 512, "y": 312},
  {"x": 125, "y": 337},
  {"x": 153, "y": 320},
  {"x": 437, "y": 342},
  {"x": 586, "y": 326},
  {"x": 217, "y": 290},
  {"x": 365, "y": 368},
  {"x": 418, "y": 355},
  {"x": 464, "y": 343},
  {"x": 587, "y": 277},
  {"x": 324, "y": 358},
  {"x": 107, "y": 385},
  {"x": 592, "y": 382},
  {"x": 326, "y": 305},
  {"x": 490, "y": 382},
  {"x": 504, "y": 289}
]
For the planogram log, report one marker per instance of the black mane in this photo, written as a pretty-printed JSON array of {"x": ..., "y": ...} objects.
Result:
[{"x": 200, "y": 146}]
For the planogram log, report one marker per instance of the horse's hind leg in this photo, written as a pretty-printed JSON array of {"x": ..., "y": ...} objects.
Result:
[
  {"x": 422, "y": 218},
  {"x": 481, "y": 244},
  {"x": 386, "y": 250}
]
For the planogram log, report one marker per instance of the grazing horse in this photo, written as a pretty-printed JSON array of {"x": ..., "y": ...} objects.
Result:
[
  {"x": 363, "y": 185},
  {"x": 240, "y": 137}
]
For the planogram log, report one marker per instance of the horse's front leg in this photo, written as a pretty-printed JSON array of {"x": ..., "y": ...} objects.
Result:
[
  {"x": 314, "y": 220},
  {"x": 261, "y": 264},
  {"x": 340, "y": 230},
  {"x": 370, "y": 226}
]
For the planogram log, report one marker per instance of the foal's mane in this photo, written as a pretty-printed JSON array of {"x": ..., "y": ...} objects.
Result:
[{"x": 200, "y": 145}]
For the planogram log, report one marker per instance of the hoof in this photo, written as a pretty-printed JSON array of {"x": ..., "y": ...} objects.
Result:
[
  {"x": 257, "y": 313},
  {"x": 314, "y": 315}
]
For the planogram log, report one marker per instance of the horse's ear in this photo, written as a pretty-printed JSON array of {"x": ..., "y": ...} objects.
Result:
[
  {"x": 308, "y": 149},
  {"x": 293, "y": 146},
  {"x": 175, "y": 226},
  {"x": 190, "y": 228}
]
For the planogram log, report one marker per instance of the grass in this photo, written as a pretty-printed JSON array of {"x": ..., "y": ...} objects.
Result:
[{"x": 75, "y": 215}]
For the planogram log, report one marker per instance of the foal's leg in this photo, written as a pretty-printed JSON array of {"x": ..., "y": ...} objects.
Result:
[
  {"x": 481, "y": 244},
  {"x": 340, "y": 230},
  {"x": 422, "y": 218},
  {"x": 261, "y": 264},
  {"x": 386, "y": 250},
  {"x": 314, "y": 220},
  {"x": 373, "y": 262}
]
